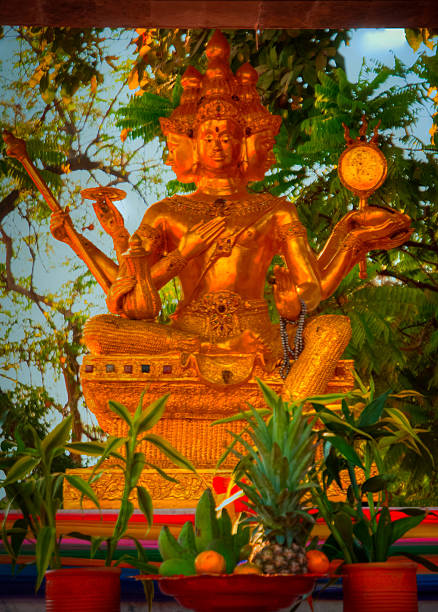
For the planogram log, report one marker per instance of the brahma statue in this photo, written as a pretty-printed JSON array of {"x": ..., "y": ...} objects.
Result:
[{"x": 219, "y": 241}]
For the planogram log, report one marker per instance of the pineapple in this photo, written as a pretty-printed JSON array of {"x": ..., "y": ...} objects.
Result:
[{"x": 274, "y": 474}]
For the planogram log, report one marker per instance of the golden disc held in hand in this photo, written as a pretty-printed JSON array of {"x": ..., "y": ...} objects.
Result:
[
  {"x": 362, "y": 168},
  {"x": 100, "y": 193}
]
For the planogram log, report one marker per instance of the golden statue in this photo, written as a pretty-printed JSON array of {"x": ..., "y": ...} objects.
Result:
[{"x": 219, "y": 241}]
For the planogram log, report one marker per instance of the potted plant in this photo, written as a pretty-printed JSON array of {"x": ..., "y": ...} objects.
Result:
[
  {"x": 39, "y": 497},
  {"x": 354, "y": 445}
]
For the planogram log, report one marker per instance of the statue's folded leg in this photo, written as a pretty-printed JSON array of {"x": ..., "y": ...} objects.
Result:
[
  {"x": 325, "y": 339},
  {"x": 110, "y": 335}
]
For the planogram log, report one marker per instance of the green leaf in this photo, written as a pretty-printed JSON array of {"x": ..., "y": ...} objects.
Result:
[
  {"x": 346, "y": 450},
  {"x": 374, "y": 485},
  {"x": 422, "y": 561},
  {"x": 92, "y": 449},
  {"x": 175, "y": 456},
  {"x": 152, "y": 415},
  {"x": 18, "y": 534},
  {"x": 346, "y": 412},
  {"x": 44, "y": 548},
  {"x": 121, "y": 411},
  {"x": 242, "y": 416},
  {"x": 401, "y": 526},
  {"x": 145, "y": 504},
  {"x": 161, "y": 472},
  {"x": 125, "y": 513},
  {"x": 362, "y": 533},
  {"x": 373, "y": 411},
  {"x": 136, "y": 469},
  {"x": 20, "y": 469},
  {"x": 83, "y": 487},
  {"x": 58, "y": 436},
  {"x": 383, "y": 537},
  {"x": 271, "y": 398},
  {"x": 344, "y": 526},
  {"x": 95, "y": 544}
]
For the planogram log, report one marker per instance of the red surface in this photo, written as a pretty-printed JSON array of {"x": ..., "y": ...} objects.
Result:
[
  {"x": 380, "y": 587},
  {"x": 235, "y": 592},
  {"x": 163, "y": 518},
  {"x": 83, "y": 589}
]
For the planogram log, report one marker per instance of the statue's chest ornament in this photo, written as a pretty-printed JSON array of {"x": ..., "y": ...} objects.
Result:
[{"x": 235, "y": 211}]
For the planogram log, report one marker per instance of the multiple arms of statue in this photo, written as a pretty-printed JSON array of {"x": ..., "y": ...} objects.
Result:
[
  {"x": 356, "y": 234},
  {"x": 301, "y": 278},
  {"x": 192, "y": 243}
]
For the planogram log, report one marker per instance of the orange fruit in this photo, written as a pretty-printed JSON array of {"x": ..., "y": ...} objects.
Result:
[
  {"x": 210, "y": 562},
  {"x": 247, "y": 568},
  {"x": 317, "y": 562}
]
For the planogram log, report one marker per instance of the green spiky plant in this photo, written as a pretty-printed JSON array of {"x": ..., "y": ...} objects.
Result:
[{"x": 274, "y": 475}]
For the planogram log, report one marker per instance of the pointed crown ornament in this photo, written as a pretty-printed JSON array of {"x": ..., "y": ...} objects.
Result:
[{"x": 219, "y": 94}]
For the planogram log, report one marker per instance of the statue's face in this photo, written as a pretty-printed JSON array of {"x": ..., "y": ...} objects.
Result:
[
  {"x": 260, "y": 154},
  {"x": 219, "y": 143},
  {"x": 180, "y": 156}
]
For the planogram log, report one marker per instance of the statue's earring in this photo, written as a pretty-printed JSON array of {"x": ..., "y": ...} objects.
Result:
[
  {"x": 244, "y": 157},
  {"x": 195, "y": 166}
]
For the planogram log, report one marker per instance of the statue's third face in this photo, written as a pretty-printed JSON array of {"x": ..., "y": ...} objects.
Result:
[
  {"x": 260, "y": 154},
  {"x": 180, "y": 156},
  {"x": 219, "y": 144}
]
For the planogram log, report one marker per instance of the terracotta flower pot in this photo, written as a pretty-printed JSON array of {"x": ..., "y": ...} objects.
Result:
[
  {"x": 90, "y": 589},
  {"x": 380, "y": 587}
]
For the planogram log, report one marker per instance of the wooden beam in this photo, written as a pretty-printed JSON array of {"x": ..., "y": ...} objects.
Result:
[{"x": 225, "y": 14}]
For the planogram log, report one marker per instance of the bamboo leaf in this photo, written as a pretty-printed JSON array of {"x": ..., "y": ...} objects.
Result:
[
  {"x": 20, "y": 469},
  {"x": 83, "y": 487},
  {"x": 145, "y": 504},
  {"x": 92, "y": 449},
  {"x": 136, "y": 469},
  {"x": 175, "y": 456},
  {"x": 95, "y": 545},
  {"x": 121, "y": 411},
  {"x": 161, "y": 472},
  {"x": 44, "y": 548},
  {"x": 152, "y": 415},
  {"x": 58, "y": 436}
]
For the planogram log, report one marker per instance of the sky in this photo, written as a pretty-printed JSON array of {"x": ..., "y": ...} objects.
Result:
[{"x": 379, "y": 44}]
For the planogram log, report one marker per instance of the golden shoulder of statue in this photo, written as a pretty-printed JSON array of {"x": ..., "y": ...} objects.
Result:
[{"x": 362, "y": 169}]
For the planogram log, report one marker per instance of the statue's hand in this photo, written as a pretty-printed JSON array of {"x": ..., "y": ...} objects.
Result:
[
  {"x": 379, "y": 228},
  {"x": 58, "y": 222},
  {"x": 120, "y": 287},
  {"x": 285, "y": 294},
  {"x": 15, "y": 147},
  {"x": 200, "y": 237},
  {"x": 109, "y": 217}
]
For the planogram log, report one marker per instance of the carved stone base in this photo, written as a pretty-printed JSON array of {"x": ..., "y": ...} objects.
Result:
[
  {"x": 183, "y": 494},
  {"x": 187, "y": 422}
]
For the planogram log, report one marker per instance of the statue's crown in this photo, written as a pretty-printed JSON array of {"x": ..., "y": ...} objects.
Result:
[{"x": 219, "y": 94}]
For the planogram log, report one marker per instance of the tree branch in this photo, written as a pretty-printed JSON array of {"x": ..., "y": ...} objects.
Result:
[{"x": 407, "y": 280}]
